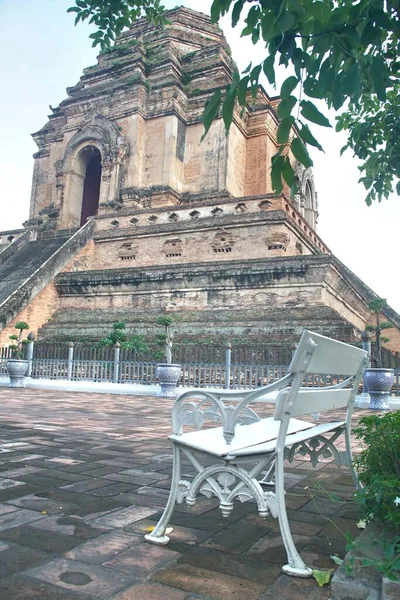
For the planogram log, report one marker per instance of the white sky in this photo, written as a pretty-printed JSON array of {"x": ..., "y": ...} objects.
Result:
[{"x": 42, "y": 53}]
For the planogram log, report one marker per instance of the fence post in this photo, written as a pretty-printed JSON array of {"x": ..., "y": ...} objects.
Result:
[
  {"x": 70, "y": 359},
  {"x": 29, "y": 352},
  {"x": 228, "y": 359},
  {"x": 117, "y": 350}
]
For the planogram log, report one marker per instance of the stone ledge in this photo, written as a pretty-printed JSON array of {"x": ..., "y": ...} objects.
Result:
[{"x": 363, "y": 583}]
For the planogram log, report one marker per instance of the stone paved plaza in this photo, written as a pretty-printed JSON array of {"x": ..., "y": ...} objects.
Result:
[{"x": 84, "y": 476}]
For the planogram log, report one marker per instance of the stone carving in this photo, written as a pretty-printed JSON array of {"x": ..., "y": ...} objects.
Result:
[
  {"x": 265, "y": 205},
  {"x": 223, "y": 241},
  {"x": 277, "y": 240},
  {"x": 173, "y": 248},
  {"x": 127, "y": 251}
]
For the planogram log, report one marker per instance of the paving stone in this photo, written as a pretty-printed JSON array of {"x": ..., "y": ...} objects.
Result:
[
  {"x": 144, "y": 473},
  {"x": 239, "y": 566},
  {"x": 15, "y": 558},
  {"x": 93, "y": 580},
  {"x": 104, "y": 547},
  {"x": 5, "y": 484},
  {"x": 19, "y": 472},
  {"x": 96, "y": 508},
  {"x": 111, "y": 490},
  {"x": 212, "y": 584},
  {"x": 20, "y": 587},
  {"x": 236, "y": 538},
  {"x": 203, "y": 522},
  {"x": 271, "y": 549},
  {"x": 86, "y": 485},
  {"x": 67, "y": 526},
  {"x": 295, "y": 588},
  {"x": 64, "y": 460},
  {"x": 6, "y": 508},
  {"x": 18, "y": 517},
  {"x": 48, "y": 541},
  {"x": 151, "y": 591},
  {"x": 143, "y": 558},
  {"x": 299, "y": 527},
  {"x": 124, "y": 516},
  {"x": 44, "y": 505},
  {"x": 179, "y": 534}
]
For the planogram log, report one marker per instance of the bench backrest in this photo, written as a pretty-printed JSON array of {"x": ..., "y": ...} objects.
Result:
[{"x": 321, "y": 355}]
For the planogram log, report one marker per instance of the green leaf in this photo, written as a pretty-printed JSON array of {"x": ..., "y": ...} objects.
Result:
[
  {"x": 276, "y": 173},
  {"x": 311, "y": 113},
  {"x": 322, "y": 577},
  {"x": 237, "y": 9},
  {"x": 308, "y": 137},
  {"x": 242, "y": 90},
  {"x": 286, "y": 21},
  {"x": 313, "y": 88},
  {"x": 377, "y": 70},
  {"x": 288, "y": 172},
  {"x": 336, "y": 559},
  {"x": 286, "y": 106},
  {"x": 300, "y": 152},
  {"x": 248, "y": 68},
  {"x": 73, "y": 9},
  {"x": 215, "y": 11},
  {"x": 288, "y": 86},
  {"x": 284, "y": 129},
  {"x": 227, "y": 109},
  {"x": 210, "y": 111},
  {"x": 268, "y": 68}
]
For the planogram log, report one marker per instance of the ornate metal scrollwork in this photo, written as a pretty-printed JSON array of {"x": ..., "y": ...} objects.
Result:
[
  {"x": 195, "y": 414},
  {"x": 227, "y": 483},
  {"x": 320, "y": 446}
]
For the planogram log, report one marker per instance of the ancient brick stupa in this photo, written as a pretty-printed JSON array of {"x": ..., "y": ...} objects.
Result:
[{"x": 131, "y": 216}]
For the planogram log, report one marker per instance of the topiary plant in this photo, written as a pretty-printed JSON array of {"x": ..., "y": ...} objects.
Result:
[
  {"x": 18, "y": 350},
  {"x": 118, "y": 334},
  {"x": 165, "y": 339},
  {"x": 376, "y": 306}
]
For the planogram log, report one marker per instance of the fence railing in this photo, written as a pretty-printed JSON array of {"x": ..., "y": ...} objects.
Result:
[{"x": 114, "y": 365}]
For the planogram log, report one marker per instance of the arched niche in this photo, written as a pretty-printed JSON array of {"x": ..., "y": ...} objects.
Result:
[
  {"x": 90, "y": 171},
  {"x": 309, "y": 212},
  {"x": 306, "y": 199},
  {"x": 84, "y": 185}
]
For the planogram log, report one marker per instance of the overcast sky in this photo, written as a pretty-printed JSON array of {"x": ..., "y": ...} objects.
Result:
[{"x": 42, "y": 53}]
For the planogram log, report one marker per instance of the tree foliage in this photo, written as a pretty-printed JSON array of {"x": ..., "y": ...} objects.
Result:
[
  {"x": 118, "y": 335},
  {"x": 344, "y": 53}
]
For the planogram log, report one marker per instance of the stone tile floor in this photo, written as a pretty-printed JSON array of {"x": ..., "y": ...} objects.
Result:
[{"x": 83, "y": 477}]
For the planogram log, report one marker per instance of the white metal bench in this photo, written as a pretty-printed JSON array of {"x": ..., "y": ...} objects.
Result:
[{"x": 244, "y": 446}]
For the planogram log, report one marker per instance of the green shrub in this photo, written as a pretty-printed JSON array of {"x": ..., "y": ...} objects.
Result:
[
  {"x": 378, "y": 467},
  {"x": 118, "y": 334}
]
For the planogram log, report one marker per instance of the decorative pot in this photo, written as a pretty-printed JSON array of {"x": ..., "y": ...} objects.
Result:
[
  {"x": 17, "y": 370},
  {"x": 168, "y": 376},
  {"x": 379, "y": 383}
]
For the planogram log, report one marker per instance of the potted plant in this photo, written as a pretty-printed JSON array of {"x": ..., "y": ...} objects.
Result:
[
  {"x": 17, "y": 365},
  {"x": 378, "y": 379},
  {"x": 168, "y": 373}
]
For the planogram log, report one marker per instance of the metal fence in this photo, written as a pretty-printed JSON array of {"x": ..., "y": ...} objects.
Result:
[{"x": 79, "y": 363}]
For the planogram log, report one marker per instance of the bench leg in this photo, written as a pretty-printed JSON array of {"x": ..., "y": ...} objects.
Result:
[
  {"x": 157, "y": 536},
  {"x": 295, "y": 567},
  {"x": 350, "y": 459}
]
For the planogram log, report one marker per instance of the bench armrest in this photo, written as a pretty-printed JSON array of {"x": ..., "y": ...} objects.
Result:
[{"x": 194, "y": 406}]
